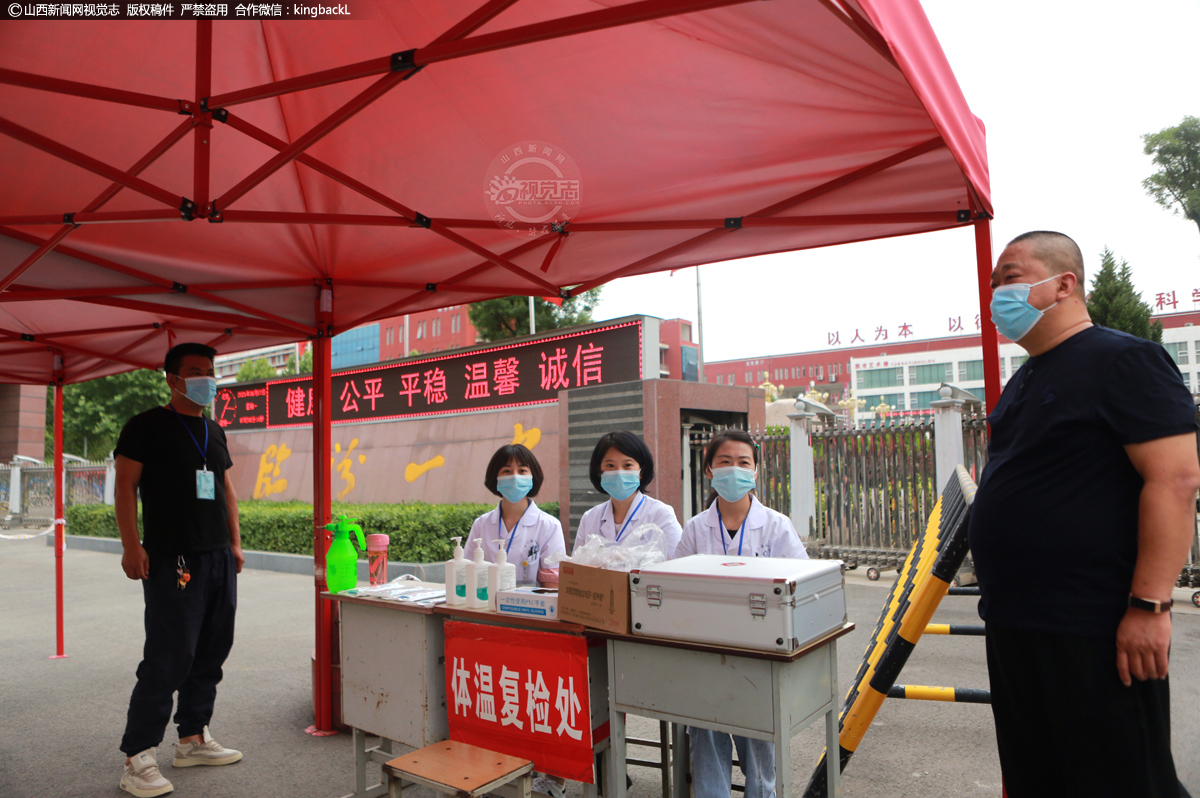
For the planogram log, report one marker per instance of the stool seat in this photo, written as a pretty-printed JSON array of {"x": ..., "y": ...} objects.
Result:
[{"x": 459, "y": 769}]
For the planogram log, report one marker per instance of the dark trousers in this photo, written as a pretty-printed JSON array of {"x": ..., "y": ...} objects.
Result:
[
  {"x": 189, "y": 634},
  {"x": 1066, "y": 726}
]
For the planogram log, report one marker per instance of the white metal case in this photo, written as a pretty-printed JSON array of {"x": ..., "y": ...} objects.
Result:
[{"x": 765, "y": 603}]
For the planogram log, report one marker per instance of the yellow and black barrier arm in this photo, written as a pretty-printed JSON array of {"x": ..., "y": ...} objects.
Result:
[{"x": 930, "y": 567}]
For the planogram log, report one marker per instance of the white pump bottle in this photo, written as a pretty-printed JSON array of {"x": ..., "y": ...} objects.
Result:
[
  {"x": 502, "y": 575},
  {"x": 456, "y": 576},
  {"x": 477, "y": 580}
]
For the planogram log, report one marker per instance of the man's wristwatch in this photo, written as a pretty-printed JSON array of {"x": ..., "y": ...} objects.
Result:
[{"x": 1150, "y": 605}]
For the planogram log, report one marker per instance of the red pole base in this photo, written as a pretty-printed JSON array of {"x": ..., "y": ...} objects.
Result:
[
  {"x": 315, "y": 732},
  {"x": 58, "y": 656}
]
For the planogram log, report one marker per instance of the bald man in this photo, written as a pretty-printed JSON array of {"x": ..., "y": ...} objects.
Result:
[{"x": 1081, "y": 525}]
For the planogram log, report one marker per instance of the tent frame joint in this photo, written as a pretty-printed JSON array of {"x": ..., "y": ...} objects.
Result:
[
  {"x": 27, "y": 337},
  {"x": 404, "y": 61},
  {"x": 215, "y": 216},
  {"x": 564, "y": 293},
  {"x": 187, "y": 209},
  {"x": 733, "y": 222},
  {"x": 560, "y": 227},
  {"x": 422, "y": 220},
  {"x": 221, "y": 115},
  {"x": 179, "y": 288},
  {"x": 185, "y": 108},
  {"x": 431, "y": 287},
  {"x": 69, "y": 218}
]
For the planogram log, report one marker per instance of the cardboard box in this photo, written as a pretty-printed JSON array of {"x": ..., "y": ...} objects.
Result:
[
  {"x": 594, "y": 597},
  {"x": 529, "y": 601}
]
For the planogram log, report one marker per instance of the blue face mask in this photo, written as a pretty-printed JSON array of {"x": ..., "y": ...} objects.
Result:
[
  {"x": 1012, "y": 314},
  {"x": 514, "y": 487},
  {"x": 201, "y": 390},
  {"x": 732, "y": 483},
  {"x": 621, "y": 484}
]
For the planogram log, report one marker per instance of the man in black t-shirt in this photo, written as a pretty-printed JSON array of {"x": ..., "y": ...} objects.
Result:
[
  {"x": 188, "y": 562},
  {"x": 1079, "y": 530}
]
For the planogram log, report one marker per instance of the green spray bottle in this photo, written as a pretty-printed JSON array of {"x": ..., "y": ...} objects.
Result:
[{"x": 341, "y": 560}]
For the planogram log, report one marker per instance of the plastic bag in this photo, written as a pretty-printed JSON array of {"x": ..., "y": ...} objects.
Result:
[
  {"x": 642, "y": 547},
  {"x": 405, "y": 587}
]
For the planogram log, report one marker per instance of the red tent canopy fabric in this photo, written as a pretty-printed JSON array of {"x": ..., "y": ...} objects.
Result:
[{"x": 698, "y": 131}]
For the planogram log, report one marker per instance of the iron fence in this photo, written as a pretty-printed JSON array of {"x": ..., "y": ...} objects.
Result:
[
  {"x": 875, "y": 488},
  {"x": 84, "y": 483}
]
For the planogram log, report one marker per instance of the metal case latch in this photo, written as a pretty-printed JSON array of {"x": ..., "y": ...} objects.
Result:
[
  {"x": 654, "y": 595},
  {"x": 758, "y": 605}
]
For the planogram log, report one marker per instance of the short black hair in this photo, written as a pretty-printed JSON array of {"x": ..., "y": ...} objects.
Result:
[
  {"x": 1058, "y": 252},
  {"x": 180, "y": 351},
  {"x": 627, "y": 444},
  {"x": 720, "y": 439},
  {"x": 512, "y": 451}
]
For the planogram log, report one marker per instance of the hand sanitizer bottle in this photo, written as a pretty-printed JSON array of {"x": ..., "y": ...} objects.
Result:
[
  {"x": 456, "y": 576},
  {"x": 477, "y": 580},
  {"x": 502, "y": 575}
]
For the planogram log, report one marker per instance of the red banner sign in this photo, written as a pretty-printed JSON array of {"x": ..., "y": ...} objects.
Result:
[{"x": 522, "y": 693}]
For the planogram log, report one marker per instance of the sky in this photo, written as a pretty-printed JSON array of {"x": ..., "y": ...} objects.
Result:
[{"x": 1065, "y": 89}]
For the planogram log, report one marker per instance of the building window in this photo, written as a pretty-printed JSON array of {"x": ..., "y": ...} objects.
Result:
[
  {"x": 970, "y": 370},
  {"x": 922, "y": 400},
  {"x": 880, "y": 378},
  {"x": 685, "y": 332},
  {"x": 894, "y": 401},
  {"x": 925, "y": 375},
  {"x": 720, "y": 379},
  {"x": 1178, "y": 352},
  {"x": 1018, "y": 361},
  {"x": 747, "y": 378},
  {"x": 437, "y": 328},
  {"x": 420, "y": 330},
  {"x": 732, "y": 378}
]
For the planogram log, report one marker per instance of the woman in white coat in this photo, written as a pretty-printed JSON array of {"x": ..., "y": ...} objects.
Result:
[
  {"x": 623, "y": 467},
  {"x": 735, "y": 522},
  {"x": 527, "y": 534}
]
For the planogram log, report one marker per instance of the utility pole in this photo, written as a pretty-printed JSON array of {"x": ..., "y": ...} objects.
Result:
[{"x": 532, "y": 322}]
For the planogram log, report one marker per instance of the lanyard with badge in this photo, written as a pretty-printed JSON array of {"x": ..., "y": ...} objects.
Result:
[
  {"x": 206, "y": 483},
  {"x": 630, "y": 518},
  {"x": 741, "y": 532},
  {"x": 500, "y": 534}
]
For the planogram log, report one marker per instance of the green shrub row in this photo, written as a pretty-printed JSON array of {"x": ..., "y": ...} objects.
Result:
[{"x": 418, "y": 532}]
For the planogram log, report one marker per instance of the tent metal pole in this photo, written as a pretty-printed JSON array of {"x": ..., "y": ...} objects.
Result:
[
  {"x": 442, "y": 50},
  {"x": 990, "y": 338},
  {"x": 770, "y": 210},
  {"x": 201, "y": 143},
  {"x": 59, "y": 541},
  {"x": 78, "y": 350},
  {"x": 323, "y": 128},
  {"x": 72, "y": 156},
  {"x": 105, "y": 217},
  {"x": 153, "y": 155},
  {"x": 323, "y": 686},
  {"x": 31, "y": 81}
]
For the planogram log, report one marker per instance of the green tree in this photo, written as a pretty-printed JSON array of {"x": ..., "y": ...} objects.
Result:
[
  {"x": 254, "y": 370},
  {"x": 1115, "y": 303},
  {"x": 305, "y": 364},
  {"x": 1176, "y": 153},
  {"x": 95, "y": 411},
  {"x": 508, "y": 317}
]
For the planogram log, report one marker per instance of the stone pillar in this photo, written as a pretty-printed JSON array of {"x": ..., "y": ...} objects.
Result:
[
  {"x": 23, "y": 421},
  {"x": 803, "y": 472},
  {"x": 947, "y": 431}
]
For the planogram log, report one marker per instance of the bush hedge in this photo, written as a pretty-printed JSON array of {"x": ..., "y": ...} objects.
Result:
[{"x": 418, "y": 532}]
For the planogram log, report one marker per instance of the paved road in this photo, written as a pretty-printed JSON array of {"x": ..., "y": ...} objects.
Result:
[{"x": 61, "y": 720}]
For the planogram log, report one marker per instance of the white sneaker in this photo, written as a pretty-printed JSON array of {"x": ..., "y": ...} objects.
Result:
[
  {"x": 548, "y": 786},
  {"x": 142, "y": 777},
  {"x": 207, "y": 752}
]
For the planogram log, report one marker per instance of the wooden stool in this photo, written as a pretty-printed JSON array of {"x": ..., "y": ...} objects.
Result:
[{"x": 458, "y": 769}]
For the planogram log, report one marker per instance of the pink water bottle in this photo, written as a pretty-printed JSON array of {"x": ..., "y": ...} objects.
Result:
[{"x": 377, "y": 554}]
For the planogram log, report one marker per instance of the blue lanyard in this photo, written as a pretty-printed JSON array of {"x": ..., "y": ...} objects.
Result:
[
  {"x": 500, "y": 527},
  {"x": 630, "y": 518},
  {"x": 204, "y": 451},
  {"x": 741, "y": 533}
]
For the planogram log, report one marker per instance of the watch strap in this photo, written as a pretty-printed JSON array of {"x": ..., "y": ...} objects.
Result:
[{"x": 1150, "y": 605}]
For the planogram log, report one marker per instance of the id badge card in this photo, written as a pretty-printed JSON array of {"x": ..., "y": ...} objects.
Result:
[{"x": 206, "y": 485}]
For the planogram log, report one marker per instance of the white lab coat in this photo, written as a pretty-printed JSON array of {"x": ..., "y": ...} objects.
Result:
[
  {"x": 537, "y": 535},
  {"x": 599, "y": 521},
  {"x": 766, "y": 533}
]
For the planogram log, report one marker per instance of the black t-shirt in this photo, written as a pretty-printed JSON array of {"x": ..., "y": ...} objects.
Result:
[
  {"x": 1054, "y": 525},
  {"x": 174, "y": 521}
]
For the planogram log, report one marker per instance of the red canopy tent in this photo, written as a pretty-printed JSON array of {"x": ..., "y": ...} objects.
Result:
[{"x": 247, "y": 182}]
